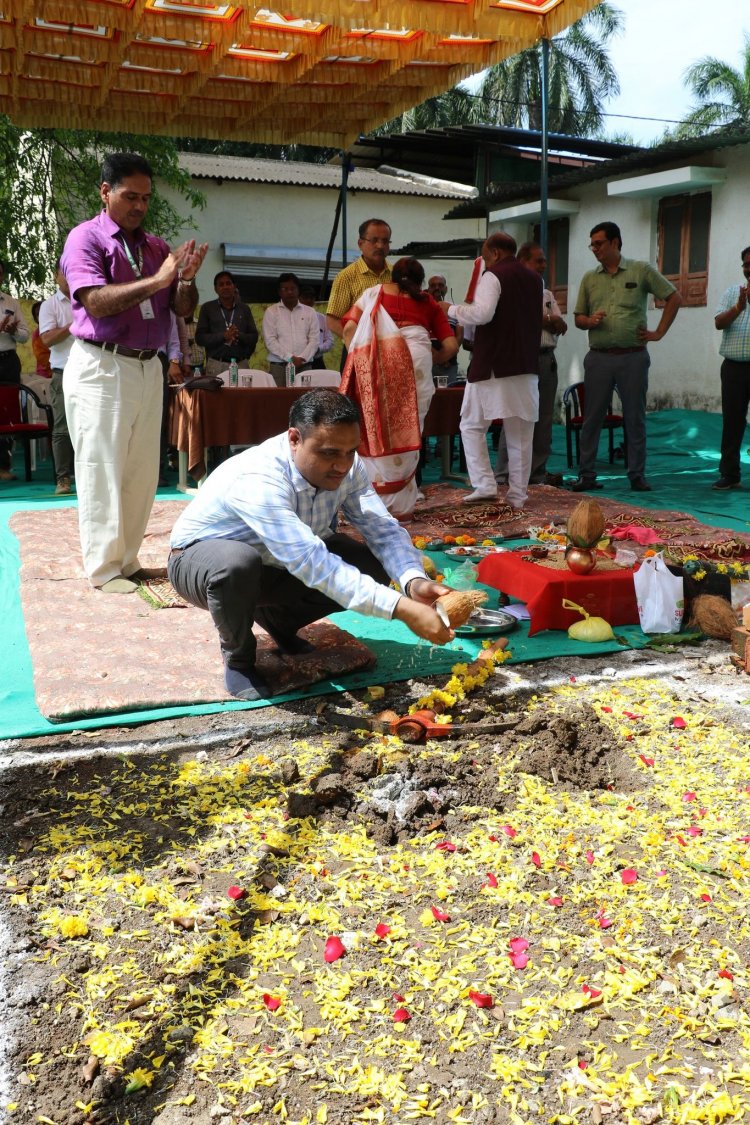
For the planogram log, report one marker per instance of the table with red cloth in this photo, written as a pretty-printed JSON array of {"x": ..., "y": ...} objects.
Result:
[
  {"x": 247, "y": 416},
  {"x": 605, "y": 593}
]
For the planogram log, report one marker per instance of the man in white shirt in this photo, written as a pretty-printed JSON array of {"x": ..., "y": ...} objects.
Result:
[
  {"x": 55, "y": 318},
  {"x": 290, "y": 330},
  {"x": 307, "y": 296},
  {"x": 13, "y": 331},
  {"x": 259, "y": 543}
]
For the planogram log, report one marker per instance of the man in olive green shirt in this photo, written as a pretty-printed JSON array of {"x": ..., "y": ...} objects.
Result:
[
  {"x": 612, "y": 305},
  {"x": 371, "y": 269}
]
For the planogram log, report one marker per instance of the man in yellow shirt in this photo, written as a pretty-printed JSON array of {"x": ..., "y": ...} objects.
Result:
[{"x": 371, "y": 269}]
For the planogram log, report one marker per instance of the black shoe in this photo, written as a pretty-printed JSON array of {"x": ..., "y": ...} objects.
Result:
[
  {"x": 640, "y": 484},
  {"x": 245, "y": 685},
  {"x": 585, "y": 484},
  {"x": 723, "y": 484},
  {"x": 289, "y": 643},
  {"x": 554, "y": 479}
]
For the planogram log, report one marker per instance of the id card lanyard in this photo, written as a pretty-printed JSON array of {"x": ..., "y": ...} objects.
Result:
[{"x": 136, "y": 264}]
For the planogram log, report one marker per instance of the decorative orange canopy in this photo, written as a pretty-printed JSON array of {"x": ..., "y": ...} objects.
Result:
[{"x": 233, "y": 71}]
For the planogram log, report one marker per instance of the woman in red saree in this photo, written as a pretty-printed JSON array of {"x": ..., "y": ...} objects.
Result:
[{"x": 388, "y": 373}]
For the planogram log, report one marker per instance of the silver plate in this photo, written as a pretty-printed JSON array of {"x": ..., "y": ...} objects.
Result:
[{"x": 483, "y": 621}]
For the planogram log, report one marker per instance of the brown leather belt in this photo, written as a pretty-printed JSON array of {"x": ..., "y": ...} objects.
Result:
[
  {"x": 120, "y": 349},
  {"x": 620, "y": 351}
]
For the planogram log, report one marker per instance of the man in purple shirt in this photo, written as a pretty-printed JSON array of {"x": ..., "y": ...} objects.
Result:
[{"x": 123, "y": 283}]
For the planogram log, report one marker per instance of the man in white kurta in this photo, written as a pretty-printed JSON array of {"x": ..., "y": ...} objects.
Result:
[{"x": 503, "y": 380}]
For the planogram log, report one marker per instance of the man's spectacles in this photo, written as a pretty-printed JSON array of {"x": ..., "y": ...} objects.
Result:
[
  {"x": 378, "y": 241},
  {"x": 599, "y": 244}
]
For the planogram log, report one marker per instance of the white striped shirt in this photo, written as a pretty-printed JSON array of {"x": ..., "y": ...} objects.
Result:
[{"x": 260, "y": 497}]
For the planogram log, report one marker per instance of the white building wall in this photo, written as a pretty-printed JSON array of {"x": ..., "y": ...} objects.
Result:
[
  {"x": 291, "y": 215},
  {"x": 685, "y": 364}
]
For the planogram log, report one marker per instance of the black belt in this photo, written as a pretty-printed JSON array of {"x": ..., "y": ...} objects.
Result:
[
  {"x": 546, "y": 351},
  {"x": 120, "y": 349},
  {"x": 620, "y": 351}
]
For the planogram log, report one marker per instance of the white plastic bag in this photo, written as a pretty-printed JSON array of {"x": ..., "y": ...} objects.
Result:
[{"x": 659, "y": 593}]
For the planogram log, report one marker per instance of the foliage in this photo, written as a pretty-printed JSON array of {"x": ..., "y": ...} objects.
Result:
[
  {"x": 722, "y": 93},
  {"x": 51, "y": 183},
  {"x": 313, "y": 154},
  {"x": 581, "y": 77}
]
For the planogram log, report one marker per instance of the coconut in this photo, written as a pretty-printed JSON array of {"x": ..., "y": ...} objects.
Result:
[
  {"x": 714, "y": 616},
  {"x": 586, "y": 523},
  {"x": 460, "y": 604}
]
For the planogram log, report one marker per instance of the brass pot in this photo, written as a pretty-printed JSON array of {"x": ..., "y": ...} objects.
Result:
[{"x": 581, "y": 560}]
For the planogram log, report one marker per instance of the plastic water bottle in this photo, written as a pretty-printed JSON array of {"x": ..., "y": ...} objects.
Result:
[
  {"x": 196, "y": 372},
  {"x": 289, "y": 372},
  {"x": 233, "y": 374}
]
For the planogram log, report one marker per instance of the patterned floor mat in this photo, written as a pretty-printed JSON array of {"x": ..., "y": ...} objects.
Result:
[{"x": 95, "y": 653}]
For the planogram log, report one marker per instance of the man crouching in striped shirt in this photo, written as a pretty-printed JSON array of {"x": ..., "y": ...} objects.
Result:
[{"x": 259, "y": 543}]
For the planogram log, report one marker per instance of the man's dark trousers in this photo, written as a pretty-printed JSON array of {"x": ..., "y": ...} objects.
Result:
[{"x": 229, "y": 579}]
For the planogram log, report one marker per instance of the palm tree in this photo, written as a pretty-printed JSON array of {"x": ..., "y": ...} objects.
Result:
[
  {"x": 581, "y": 77},
  {"x": 723, "y": 94}
]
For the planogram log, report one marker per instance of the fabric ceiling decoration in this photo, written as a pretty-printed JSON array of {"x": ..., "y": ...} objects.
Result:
[{"x": 322, "y": 73}]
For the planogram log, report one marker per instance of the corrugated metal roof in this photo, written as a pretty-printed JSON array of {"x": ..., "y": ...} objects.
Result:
[
  {"x": 259, "y": 171},
  {"x": 660, "y": 156}
]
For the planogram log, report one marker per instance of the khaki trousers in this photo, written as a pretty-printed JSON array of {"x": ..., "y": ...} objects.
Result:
[{"x": 114, "y": 409}]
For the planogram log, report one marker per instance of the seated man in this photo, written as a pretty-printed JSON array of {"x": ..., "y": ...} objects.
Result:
[
  {"x": 308, "y": 297},
  {"x": 290, "y": 330},
  {"x": 226, "y": 328},
  {"x": 258, "y": 543},
  {"x": 437, "y": 287}
]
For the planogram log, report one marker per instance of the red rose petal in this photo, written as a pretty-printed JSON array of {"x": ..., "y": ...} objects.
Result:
[
  {"x": 694, "y": 831},
  {"x": 681, "y": 842},
  {"x": 688, "y": 797},
  {"x": 706, "y": 898},
  {"x": 519, "y": 960},
  {"x": 629, "y": 875},
  {"x": 445, "y": 846},
  {"x": 381, "y": 930},
  {"x": 589, "y": 857},
  {"x": 401, "y": 1015},
  {"x": 509, "y": 830},
  {"x": 334, "y": 949},
  {"x": 536, "y": 859},
  {"x": 440, "y": 915},
  {"x": 555, "y": 901},
  {"x": 518, "y": 945},
  {"x": 592, "y": 992},
  {"x": 726, "y": 975},
  {"x": 678, "y": 723},
  {"x": 481, "y": 999},
  {"x": 398, "y": 997},
  {"x": 237, "y": 893},
  {"x": 491, "y": 880},
  {"x": 608, "y": 710},
  {"x": 271, "y": 1002},
  {"x": 605, "y": 923},
  {"x": 582, "y": 1064},
  {"x": 646, "y": 761}
]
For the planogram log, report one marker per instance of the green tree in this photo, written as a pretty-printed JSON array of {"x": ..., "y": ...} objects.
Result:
[
  {"x": 51, "y": 182},
  {"x": 722, "y": 93},
  {"x": 581, "y": 77}
]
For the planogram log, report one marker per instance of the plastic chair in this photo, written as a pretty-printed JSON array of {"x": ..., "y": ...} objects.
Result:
[
  {"x": 14, "y": 421},
  {"x": 574, "y": 402}
]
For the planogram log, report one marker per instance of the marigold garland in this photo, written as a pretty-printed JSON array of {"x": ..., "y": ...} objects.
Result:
[{"x": 464, "y": 678}]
